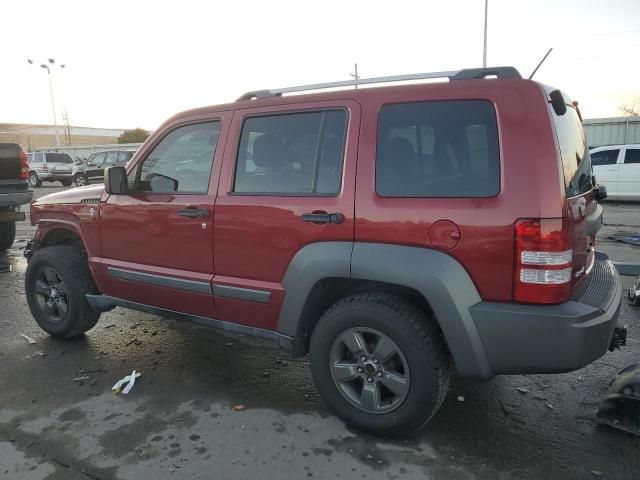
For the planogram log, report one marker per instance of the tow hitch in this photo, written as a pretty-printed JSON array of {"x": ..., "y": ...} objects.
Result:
[{"x": 619, "y": 338}]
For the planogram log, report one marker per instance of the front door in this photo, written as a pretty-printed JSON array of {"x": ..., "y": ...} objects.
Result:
[
  {"x": 157, "y": 239},
  {"x": 281, "y": 165},
  {"x": 96, "y": 168}
]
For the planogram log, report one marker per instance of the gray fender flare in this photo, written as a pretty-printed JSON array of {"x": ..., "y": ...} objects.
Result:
[{"x": 440, "y": 278}]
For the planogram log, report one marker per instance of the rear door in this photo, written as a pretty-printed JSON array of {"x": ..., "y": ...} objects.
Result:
[
  {"x": 157, "y": 239},
  {"x": 605, "y": 168},
  {"x": 281, "y": 164},
  {"x": 629, "y": 174}
]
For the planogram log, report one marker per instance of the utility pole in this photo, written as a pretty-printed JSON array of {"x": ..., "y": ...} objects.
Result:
[
  {"x": 355, "y": 74},
  {"x": 484, "y": 50},
  {"x": 67, "y": 128}
]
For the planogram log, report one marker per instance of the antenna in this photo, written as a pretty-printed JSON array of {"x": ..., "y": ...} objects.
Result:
[{"x": 541, "y": 62}]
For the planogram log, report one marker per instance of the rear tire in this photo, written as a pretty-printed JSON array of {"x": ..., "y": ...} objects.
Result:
[
  {"x": 415, "y": 368},
  {"x": 7, "y": 235},
  {"x": 34, "y": 181},
  {"x": 56, "y": 282}
]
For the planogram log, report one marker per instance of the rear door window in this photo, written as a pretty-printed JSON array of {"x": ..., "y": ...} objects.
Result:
[
  {"x": 632, "y": 155},
  {"x": 438, "y": 149},
  {"x": 58, "y": 158},
  {"x": 605, "y": 157},
  {"x": 291, "y": 154}
]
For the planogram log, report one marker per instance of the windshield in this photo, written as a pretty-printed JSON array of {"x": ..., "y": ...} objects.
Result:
[
  {"x": 58, "y": 158},
  {"x": 576, "y": 161}
]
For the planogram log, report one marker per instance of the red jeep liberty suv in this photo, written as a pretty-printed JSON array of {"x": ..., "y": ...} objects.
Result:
[{"x": 396, "y": 234}]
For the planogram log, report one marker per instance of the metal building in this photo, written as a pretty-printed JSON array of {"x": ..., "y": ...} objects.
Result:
[{"x": 612, "y": 131}]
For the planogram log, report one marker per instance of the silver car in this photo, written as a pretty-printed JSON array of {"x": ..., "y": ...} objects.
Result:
[{"x": 50, "y": 167}]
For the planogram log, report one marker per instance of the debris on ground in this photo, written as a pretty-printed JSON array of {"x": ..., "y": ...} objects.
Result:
[
  {"x": 238, "y": 408},
  {"x": 522, "y": 390},
  {"x": 125, "y": 385},
  {"x": 620, "y": 406},
  {"x": 630, "y": 239},
  {"x": 537, "y": 396},
  {"x": 549, "y": 406},
  {"x": 111, "y": 325},
  {"x": 596, "y": 473},
  {"x": 36, "y": 354},
  {"x": 302, "y": 429},
  {"x": 505, "y": 409},
  {"x": 28, "y": 339},
  {"x": 81, "y": 379},
  {"x": 135, "y": 342},
  {"x": 460, "y": 398}
]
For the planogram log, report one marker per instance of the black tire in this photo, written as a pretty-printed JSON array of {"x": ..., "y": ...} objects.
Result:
[
  {"x": 69, "y": 263},
  {"x": 417, "y": 338},
  {"x": 80, "y": 180},
  {"x": 7, "y": 235},
  {"x": 34, "y": 181},
  {"x": 66, "y": 183}
]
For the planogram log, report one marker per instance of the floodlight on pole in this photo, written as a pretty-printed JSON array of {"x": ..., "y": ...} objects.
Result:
[{"x": 51, "y": 61}]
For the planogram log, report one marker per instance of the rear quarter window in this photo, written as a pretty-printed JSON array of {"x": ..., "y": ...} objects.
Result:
[
  {"x": 574, "y": 154},
  {"x": 438, "y": 149}
]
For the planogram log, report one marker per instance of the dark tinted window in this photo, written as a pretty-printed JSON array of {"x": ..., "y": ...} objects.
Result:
[
  {"x": 632, "y": 155},
  {"x": 605, "y": 157},
  {"x": 58, "y": 158},
  {"x": 298, "y": 153},
  {"x": 438, "y": 149},
  {"x": 576, "y": 161},
  {"x": 181, "y": 162}
]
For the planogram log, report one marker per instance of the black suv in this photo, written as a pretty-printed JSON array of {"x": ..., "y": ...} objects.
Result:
[{"x": 93, "y": 170}]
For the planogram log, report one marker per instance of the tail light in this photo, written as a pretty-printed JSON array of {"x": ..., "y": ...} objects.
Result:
[
  {"x": 24, "y": 165},
  {"x": 543, "y": 261}
]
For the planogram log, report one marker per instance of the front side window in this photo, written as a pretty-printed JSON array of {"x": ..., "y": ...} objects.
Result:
[
  {"x": 438, "y": 149},
  {"x": 98, "y": 160},
  {"x": 111, "y": 158},
  {"x": 632, "y": 155},
  {"x": 181, "y": 162},
  {"x": 294, "y": 154},
  {"x": 604, "y": 157}
]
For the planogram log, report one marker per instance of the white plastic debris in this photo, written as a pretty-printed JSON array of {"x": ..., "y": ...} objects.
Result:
[
  {"x": 28, "y": 339},
  {"x": 125, "y": 385},
  {"x": 460, "y": 398}
]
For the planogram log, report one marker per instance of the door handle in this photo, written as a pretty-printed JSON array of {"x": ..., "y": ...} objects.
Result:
[
  {"x": 322, "y": 217},
  {"x": 193, "y": 213}
]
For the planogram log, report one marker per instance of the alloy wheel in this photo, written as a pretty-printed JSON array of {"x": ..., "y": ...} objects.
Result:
[
  {"x": 51, "y": 295},
  {"x": 369, "y": 370}
]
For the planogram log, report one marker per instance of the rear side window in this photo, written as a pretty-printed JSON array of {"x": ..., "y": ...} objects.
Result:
[
  {"x": 604, "y": 157},
  {"x": 291, "y": 154},
  {"x": 438, "y": 149},
  {"x": 58, "y": 158},
  {"x": 632, "y": 155},
  {"x": 576, "y": 161}
]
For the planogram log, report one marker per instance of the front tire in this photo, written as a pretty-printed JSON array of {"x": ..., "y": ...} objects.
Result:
[
  {"x": 7, "y": 235},
  {"x": 380, "y": 363},
  {"x": 80, "y": 180},
  {"x": 56, "y": 282}
]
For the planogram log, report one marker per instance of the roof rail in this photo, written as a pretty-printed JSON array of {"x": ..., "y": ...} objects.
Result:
[{"x": 465, "y": 74}]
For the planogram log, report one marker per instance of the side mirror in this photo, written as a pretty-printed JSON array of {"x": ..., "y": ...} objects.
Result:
[
  {"x": 115, "y": 181},
  {"x": 601, "y": 193}
]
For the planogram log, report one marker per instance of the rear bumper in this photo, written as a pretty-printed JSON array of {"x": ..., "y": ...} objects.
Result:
[
  {"x": 13, "y": 199},
  {"x": 54, "y": 176},
  {"x": 552, "y": 339}
]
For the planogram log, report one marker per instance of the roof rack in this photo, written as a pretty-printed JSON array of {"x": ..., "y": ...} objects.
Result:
[{"x": 465, "y": 74}]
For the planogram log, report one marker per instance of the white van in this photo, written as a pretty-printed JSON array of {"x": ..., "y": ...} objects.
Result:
[{"x": 617, "y": 167}]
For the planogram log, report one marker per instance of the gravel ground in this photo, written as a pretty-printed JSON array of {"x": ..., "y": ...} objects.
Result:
[{"x": 178, "y": 422}]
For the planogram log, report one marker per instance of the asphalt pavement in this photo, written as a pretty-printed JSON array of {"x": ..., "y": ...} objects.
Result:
[{"x": 212, "y": 406}]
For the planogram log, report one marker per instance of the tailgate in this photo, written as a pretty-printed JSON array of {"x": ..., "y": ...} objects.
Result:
[{"x": 10, "y": 165}]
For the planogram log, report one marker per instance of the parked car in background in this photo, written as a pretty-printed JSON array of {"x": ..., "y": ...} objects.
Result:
[
  {"x": 617, "y": 167},
  {"x": 50, "y": 167},
  {"x": 395, "y": 234},
  {"x": 14, "y": 190},
  {"x": 93, "y": 169}
]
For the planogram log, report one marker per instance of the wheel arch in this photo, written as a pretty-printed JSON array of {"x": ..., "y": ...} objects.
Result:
[{"x": 322, "y": 273}]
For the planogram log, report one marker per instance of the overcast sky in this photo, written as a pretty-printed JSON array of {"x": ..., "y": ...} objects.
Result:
[{"x": 135, "y": 63}]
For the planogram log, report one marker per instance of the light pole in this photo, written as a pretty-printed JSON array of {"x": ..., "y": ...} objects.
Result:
[
  {"x": 48, "y": 68},
  {"x": 484, "y": 49}
]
